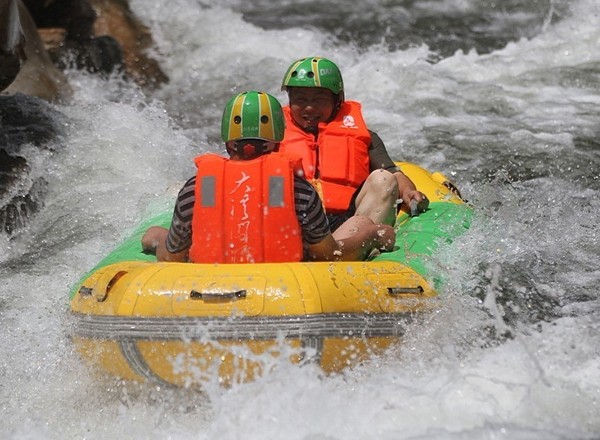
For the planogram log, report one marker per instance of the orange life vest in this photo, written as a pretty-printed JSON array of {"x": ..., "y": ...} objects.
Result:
[
  {"x": 337, "y": 162},
  {"x": 244, "y": 211}
]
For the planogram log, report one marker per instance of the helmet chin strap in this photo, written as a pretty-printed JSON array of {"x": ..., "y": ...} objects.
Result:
[{"x": 339, "y": 100}]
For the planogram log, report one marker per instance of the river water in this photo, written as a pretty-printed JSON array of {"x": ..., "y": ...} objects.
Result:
[{"x": 501, "y": 95}]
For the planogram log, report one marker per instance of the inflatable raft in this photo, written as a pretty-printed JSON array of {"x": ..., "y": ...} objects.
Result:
[{"x": 183, "y": 323}]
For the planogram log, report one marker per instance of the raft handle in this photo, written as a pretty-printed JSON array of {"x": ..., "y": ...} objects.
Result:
[
  {"x": 405, "y": 290},
  {"x": 100, "y": 291},
  {"x": 85, "y": 291},
  {"x": 417, "y": 208},
  {"x": 217, "y": 296}
]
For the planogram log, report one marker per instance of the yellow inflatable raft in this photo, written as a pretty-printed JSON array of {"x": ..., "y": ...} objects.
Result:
[{"x": 182, "y": 323}]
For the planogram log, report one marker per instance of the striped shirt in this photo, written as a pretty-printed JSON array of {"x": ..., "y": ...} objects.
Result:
[{"x": 309, "y": 210}]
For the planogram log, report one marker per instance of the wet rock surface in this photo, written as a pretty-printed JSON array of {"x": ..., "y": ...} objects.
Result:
[{"x": 26, "y": 123}]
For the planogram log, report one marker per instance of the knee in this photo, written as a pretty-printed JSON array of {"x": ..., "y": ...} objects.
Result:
[{"x": 383, "y": 183}]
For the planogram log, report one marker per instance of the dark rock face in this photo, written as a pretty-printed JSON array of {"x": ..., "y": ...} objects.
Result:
[
  {"x": 24, "y": 120},
  {"x": 77, "y": 42},
  {"x": 12, "y": 43},
  {"x": 22, "y": 47},
  {"x": 101, "y": 36},
  {"x": 40, "y": 38},
  {"x": 75, "y": 16},
  {"x": 11, "y": 65},
  {"x": 18, "y": 202}
]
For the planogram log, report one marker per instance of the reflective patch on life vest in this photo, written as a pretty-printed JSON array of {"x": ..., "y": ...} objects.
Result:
[
  {"x": 207, "y": 197},
  {"x": 276, "y": 191}
]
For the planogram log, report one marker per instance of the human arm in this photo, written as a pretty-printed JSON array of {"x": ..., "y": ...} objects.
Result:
[
  {"x": 173, "y": 244},
  {"x": 154, "y": 241},
  {"x": 379, "y": 158},
  {"x": 407, "y": 190}
]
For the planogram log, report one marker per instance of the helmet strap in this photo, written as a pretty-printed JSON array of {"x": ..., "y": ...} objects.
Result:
[{"x": 337, "y": 104}]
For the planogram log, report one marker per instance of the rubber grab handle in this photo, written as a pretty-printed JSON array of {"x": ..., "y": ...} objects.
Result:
[
  {"x": 418, "y": 207},
  {"x": 218, "y": 296}
]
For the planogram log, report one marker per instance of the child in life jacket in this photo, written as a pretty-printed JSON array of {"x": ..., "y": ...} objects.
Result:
[
  {"x": 254, "y": 206},
  {"x": 345, "y": 161}
]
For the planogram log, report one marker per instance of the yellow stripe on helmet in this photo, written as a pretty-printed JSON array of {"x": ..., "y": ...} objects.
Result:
[
  {"x": 291, "y": 70},
  {"x": 265, "y": 131},
  {"x": 235, "y": 130},
  {"x": 314, "y": 63}
]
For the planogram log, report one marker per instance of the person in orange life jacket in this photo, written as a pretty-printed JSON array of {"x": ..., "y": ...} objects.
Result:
[
  {"x": 227, "y": 228},
  {"x": 347, "y": 162}
]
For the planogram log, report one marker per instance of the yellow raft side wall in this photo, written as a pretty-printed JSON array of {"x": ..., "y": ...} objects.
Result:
[
  {"x": 189, "y": 364},
  {"x": 295, "y": 289},
  {"x": 166, "y": 289},
  {"x": 105, "y": 355},
  {"x": 433, "y": 185}
]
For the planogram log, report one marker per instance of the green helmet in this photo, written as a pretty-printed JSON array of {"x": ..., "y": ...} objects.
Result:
[
  {"x": 253, "y": 115},
  {"x": 314, "y": 72}
]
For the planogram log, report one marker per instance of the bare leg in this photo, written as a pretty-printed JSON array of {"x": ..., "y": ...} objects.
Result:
[
  {"x": 377, "y": 198},
  {"x": 362, "y": 230},
  {"x": 351, "y": 227}
]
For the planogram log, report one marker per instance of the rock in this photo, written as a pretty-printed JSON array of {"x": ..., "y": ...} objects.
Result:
[
  {"x": 104, "y": 35},
  {"x": 22, "y": 45},
  {"x": 24, "y": 120},
  {"x": 115, "y": 18}
]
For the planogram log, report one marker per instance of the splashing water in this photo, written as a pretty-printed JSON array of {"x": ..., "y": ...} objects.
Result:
[{"x": 503, "y": 98}]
